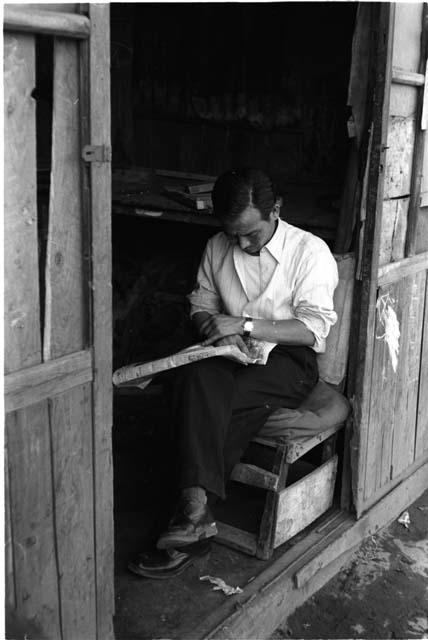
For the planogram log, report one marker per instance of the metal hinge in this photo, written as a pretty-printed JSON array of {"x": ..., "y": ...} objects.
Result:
[{"x": 96, "y": 153}]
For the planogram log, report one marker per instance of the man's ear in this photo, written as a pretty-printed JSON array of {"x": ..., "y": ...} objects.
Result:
[{"x": 277, "y": 208}]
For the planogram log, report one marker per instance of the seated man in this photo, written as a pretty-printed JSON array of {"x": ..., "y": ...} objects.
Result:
[{"x": 263, "y": 278}]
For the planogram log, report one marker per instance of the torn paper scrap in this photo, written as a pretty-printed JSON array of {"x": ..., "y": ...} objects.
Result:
[
  {"x": 220, "y": 585},
  {"x": 404, "y": 519},
  {"x": 389, "y": 321}
]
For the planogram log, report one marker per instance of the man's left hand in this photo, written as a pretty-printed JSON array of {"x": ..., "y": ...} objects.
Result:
[{"x": 218, "y": 326}]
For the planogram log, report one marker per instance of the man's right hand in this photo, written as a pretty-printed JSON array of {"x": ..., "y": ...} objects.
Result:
[{"x": 233, "y": 339}]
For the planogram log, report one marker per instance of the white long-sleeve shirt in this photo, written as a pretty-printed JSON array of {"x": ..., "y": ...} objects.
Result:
[{"x": 294, "y": 276}]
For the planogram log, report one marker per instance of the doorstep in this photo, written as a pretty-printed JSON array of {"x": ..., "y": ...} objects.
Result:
[{"x": 272, "y": 589}]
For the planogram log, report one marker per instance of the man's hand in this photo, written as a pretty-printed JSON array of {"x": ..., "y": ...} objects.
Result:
[
  {"x": 235, "y": 339},
  {"x": 219, "y": 326}
]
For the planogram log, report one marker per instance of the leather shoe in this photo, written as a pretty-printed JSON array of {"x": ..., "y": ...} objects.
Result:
[
  {"x": 188, "y": 526},
  {"x": 168, "y": 563}
]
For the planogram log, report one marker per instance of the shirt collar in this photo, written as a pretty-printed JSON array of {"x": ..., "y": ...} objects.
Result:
[{"x": 276, "y": 243}]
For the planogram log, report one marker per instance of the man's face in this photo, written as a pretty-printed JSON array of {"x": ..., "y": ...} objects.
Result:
[{"x": 250, "y": 231}]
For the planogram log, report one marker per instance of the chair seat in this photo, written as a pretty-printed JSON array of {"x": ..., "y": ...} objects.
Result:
[{"x": 323, "y": 409}]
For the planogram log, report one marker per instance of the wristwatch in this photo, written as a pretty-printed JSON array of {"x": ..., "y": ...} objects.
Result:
[{"x": 248, "y": 327}]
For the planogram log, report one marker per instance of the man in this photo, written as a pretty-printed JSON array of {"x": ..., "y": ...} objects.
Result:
[{"x": 260, "y": 278}]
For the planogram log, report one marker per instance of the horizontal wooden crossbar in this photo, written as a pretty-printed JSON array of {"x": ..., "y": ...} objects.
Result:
[
  {"x": 389, "y": 273},
  {"x": 255, "y": 476},
  {"x": 401, "y": 76},
  {"x": 26, "y": 387},
  {"x": 52, "y": 23}
]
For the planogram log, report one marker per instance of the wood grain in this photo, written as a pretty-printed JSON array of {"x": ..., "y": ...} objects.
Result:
[
  {"x": 22, "y": 339},
  {"x": 421, "y": 443},
  {"x": 52, "y": 23},
  {"x": 70, "y": 420},
  {"x": 33, "y": 519},
  {"x": 394, "y": 225},
  {"x": 65, "y": 311},
  {"x": 399, "y": 157},
  {"x": 407, "y": 383},
  {"x": 394, "y": 271},
  {"x": 254, "y": 476},
  {"x": 304, "y": 501},
  {"x": 46, "y": 380},
  {"x": 102, "y": 318}
]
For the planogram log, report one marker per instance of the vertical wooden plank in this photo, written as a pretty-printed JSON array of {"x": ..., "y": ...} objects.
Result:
[
  {"x": 382, "y": 400},
  {"x": 102, "y": 318},
  {"x": 407, "y": 383},
  {"x": 65, "y": 314},
  {"x": 10, "y": 595},
  {"x": 394, "y": 225},
  {"x": 70, "y": 419},
  {"x": 21, "y": 295},
  {"x": 421, "y": 443},
  {"x": 32, "y": 515}
]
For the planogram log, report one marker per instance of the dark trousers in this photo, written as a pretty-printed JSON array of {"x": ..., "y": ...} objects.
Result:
[{"x": 219, "y": 405}]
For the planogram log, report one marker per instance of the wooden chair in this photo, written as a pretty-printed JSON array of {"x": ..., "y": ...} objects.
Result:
[{"x": 290, "y": 434}]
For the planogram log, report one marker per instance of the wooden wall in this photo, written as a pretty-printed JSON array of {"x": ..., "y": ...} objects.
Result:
[
  {"x": 59, "y": 568},
  {"x": 393, "y": 431}
]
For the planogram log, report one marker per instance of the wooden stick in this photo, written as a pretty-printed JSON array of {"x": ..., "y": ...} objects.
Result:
[
  {"x": 401, "y": 76},
  {"x": 389, "y": 273},
  {"x": 49, "y": 22}
]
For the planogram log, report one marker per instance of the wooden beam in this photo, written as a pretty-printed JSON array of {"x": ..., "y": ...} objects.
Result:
[
  {"x": 389, "y": 273},
  {"x": 99, "y": 94},
  {"x": 254, "y": 476},
  {"x": 42, "y": 381},
  {"x": 66, "y": 324},
  {"x": 298, "y": 448},
  {"x": 401, "y": 76},
  {"x": 52, "y": 23},
  {"x": 236, "y": 538}
]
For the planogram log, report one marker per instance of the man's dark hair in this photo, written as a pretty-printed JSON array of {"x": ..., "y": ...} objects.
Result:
[{"x": 238, "y": 189}]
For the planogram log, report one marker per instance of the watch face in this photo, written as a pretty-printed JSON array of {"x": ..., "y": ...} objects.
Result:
[{"x": 248, "y": 326}]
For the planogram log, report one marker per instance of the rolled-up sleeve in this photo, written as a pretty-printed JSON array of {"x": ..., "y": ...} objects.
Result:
[
  {"x": 313, "y": 294},
  {"x": 205, "y": 296}
]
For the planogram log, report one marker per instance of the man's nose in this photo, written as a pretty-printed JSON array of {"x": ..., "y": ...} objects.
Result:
[{"x": 244, "y": 243}]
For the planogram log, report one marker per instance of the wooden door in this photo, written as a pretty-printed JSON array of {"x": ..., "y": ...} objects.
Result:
[
  {"x": 390, "y": 440},
  {"x": 58, "y": 487}
]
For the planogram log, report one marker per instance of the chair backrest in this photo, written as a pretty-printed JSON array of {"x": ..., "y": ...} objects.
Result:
[{"x": 332, "y": 364}]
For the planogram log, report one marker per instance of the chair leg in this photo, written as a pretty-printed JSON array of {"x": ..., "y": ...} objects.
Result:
[
  {"x": 329, "y": 448},
  {"x": 268, "y": 523}
]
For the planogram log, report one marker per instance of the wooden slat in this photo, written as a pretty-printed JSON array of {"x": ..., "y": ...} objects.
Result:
[
  {"x": 407, "y": 382},
  {"x": 394, "y": 225},
  {"x": 298, "y": 448},
  {"x": 389, "y": 273},
  {"x": 102, "y": 318},
  {"x": 421, "y": 443},
  {"x": 304, "y": 501},
  {"x": 52, "y": 23},
  {"x": 70, "y": 419},
  {"x": 32, "y": 515},
  {"x": 10, "y": 591},
  {"x": 378, "y": 444},
  {"x": 236, "y": 538},
  {"x": 254, "y": 476},
  {"x": 21, "y": 294},
  {"x": 65, "y": 313},
  {"x": 43, "y": 381},
  {"x": 401, "y": 76},
  {"x": 399, "y": 156}
]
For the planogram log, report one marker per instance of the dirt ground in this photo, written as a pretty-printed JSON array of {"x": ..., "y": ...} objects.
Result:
[{"x": 381, "y": 593}]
